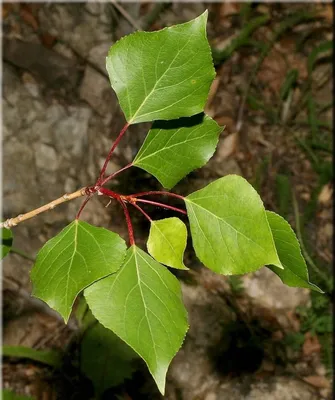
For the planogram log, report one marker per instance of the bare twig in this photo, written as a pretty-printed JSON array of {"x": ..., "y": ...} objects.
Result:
[
  {"x": 50, "y": 206},
  {"x": 154, "y": 14},
  {"x": 126, "y": 15}
]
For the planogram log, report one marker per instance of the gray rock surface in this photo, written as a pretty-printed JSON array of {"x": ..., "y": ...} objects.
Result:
[{"x": 266, "y": 289}]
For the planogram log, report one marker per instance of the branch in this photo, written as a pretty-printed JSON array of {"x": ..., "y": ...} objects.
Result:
[
  {"x": 50, "y": 206},
  {"x": 126, "y": 15}
]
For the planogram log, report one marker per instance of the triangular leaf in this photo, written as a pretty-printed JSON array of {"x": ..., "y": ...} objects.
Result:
[
  {"x": 6, "y": 242},
  {"x": 164, "y": 74},
  {"x": 142, "y": 304},
  {"x": 295, "y": 272},
  {"x": 78, "y": 256},
  {"x": 172, "y": 149},
  {"x": 105, "y": 359},
  {"x": 167, "y": 242},
  {"x": 229, "y": 228}
]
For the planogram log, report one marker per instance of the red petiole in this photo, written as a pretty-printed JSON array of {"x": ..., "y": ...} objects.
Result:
[
  {"x": 129, "y": 224},
  {"x": 114, "y": 174},
  {"x": 154, "y": 203},
  {"x": 178, "y": 196},
  {"x": 109, "y": 193},
  {"x": 142, "y": 211},
  {"x": 122, "y": 199},
  {"x": 83, "y": 205},
  {"x": 104, "y": 167}
]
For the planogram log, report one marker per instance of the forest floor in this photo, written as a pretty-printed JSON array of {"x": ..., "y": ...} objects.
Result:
[{"x": 251, "y": 337}]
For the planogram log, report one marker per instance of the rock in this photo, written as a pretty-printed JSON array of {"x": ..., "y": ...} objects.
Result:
[
  {"x": 267, "y": 290},
  {"x": 19, "y": 177},
  {"x": 69, "y": 132},
  {"x": 96, "y": 90},
  {"x": 227, "y": 146},
  {"x": 30, "y": 84},
  {"x": 281, "y": 388},
  {"x": 46, "y": 157},
  {"x": 56, "y": 70},
  {"x": 43, "y": 141},
  {"x": 192, "y": 370},
  {"x": 97, "y": 56},
  {"x": 225, "y": 167},
  {"x": 77, "y": 26},
  {"x": 274, "y": 388}
]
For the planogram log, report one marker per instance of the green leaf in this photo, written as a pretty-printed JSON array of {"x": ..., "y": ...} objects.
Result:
[
  {"x": 167, "y": 242},
  {"x": 142, "y": 304},
  {"x": 78, "y": 256},
  {"x": 229, "y": 228},
  {"x": 49, "y": 357},
  {"x": 8, "y": 395},
  {"x": 105, "y": 359},
  {"x": 6, "y": 241},
  {"x": 295, "y": 272},
  {"x": 172, "y": 149},
  {"x": 164, "y": 74}
]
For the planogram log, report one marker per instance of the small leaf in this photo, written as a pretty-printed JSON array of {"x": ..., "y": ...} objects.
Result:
[
  {"x": 229, "y": 228},
  {"x": 142, "y": 304},
  {"x": 6, "y": 241},
  {"x": 8, "y": 395},
  {"x": 164, "y": 74},
  {"x": 172, "y": 149},
  {"x": 105, "y": 359},
  {"x": 295, "y": 272},
  {"x": 78, "y": 256},
  {"x": 52, "y": 358},
  {"x": 167, "y": 242}
]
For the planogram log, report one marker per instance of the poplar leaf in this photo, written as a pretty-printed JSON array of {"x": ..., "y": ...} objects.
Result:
[
  {"x": 172, "y": 149},
  {"x": 167, "y": 242},
  {"x": 105, "y": 359},
  {"x": 295, "y": 272},
  {"x": 164, "y": 74},
  {"x": 142, "y": 304},
  {"x": 229, "y": 227},
  {"x": 78, "y": 256},
  {"x": 6, "y": 241}
]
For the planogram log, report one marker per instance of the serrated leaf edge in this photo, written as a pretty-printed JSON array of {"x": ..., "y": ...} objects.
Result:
[{"x": 314, "y": 287}]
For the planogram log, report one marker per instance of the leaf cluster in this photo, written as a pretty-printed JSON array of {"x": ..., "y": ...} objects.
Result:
[{"x": 164, "y": 77}]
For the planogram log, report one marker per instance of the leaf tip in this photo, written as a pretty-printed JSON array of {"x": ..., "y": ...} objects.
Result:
[{"x": 278, "y": 265}]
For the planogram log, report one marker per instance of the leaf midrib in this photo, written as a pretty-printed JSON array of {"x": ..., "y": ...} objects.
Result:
[
  {"x": 71, "y": 263},
  {"x": 157, "y": 82},
  {"x": 221, "y": 219},
  {"x": 145, "y": 306},
  {"x": 168, "y": 148}
]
